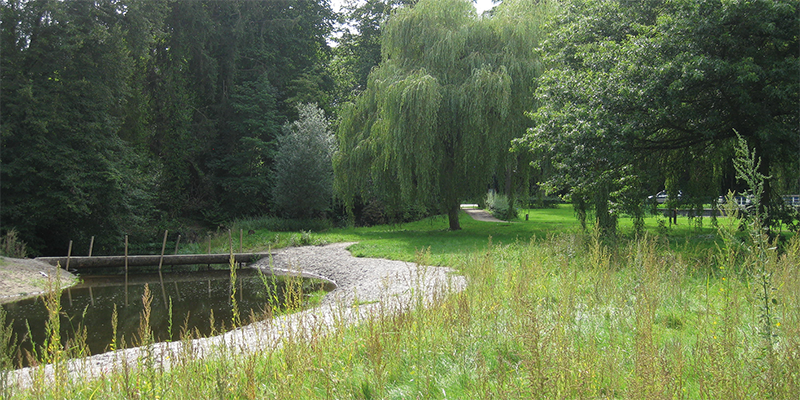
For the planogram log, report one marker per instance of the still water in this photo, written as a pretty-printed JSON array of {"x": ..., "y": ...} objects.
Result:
[{"x": 194, "y": 296}]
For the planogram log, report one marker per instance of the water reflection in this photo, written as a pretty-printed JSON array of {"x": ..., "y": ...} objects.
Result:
[{"x": 194, "y": 297}]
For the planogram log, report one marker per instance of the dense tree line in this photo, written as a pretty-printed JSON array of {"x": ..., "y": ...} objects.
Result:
[
  {"x": 126, "y": 116},
  {"x": 121, "y": 115}
]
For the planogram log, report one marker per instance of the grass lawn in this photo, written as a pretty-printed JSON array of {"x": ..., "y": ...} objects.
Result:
[{"x": 401, "y": 242}]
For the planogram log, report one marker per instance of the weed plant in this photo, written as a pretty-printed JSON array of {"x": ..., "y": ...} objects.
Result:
[{"x": 12, "y": 246}]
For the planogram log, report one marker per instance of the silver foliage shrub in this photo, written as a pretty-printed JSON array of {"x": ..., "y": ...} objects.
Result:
[{"x": 303, "y": 171}]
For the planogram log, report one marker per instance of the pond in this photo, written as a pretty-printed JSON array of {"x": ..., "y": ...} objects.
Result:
[{"x": 198, "y": 304}]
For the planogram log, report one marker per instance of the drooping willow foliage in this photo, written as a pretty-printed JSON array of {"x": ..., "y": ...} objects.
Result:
[{"x": 434, "y": 125}]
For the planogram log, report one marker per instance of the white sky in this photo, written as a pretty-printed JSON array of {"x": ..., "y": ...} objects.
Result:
[{"x": 480, "y": 5}]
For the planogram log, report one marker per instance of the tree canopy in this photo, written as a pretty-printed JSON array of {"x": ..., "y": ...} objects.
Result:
[
  {"x": 640, "y": 94},
  {"x": 435, "y": 122},
  {"x": 359, "y": 47}
]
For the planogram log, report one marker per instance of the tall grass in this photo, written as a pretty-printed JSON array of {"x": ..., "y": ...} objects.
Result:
[
  {"x": 12, "y": 246},
  {"x": 563, "y": 317}
]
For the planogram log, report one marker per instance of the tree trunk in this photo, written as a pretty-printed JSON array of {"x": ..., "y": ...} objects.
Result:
[
  {"x": 606, "y": 222},
  {"x": 452, "y": 215}
]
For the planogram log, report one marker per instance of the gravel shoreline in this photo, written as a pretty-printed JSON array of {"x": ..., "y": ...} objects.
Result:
[{"x": 364, "y": 287}]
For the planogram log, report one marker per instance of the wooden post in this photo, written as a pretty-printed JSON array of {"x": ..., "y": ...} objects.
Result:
[
  {"x": 230, "y": 287},
  {"x": 241, "y": 245},
  {"x": 69, "y": 255},
  {"x": 126, "y": 270},
  {"x": 176, "y": 244},
  {"x": 91, "y": 246},
  {"x": 177, "y": 290},
  {"x": 161, "y": 262}
]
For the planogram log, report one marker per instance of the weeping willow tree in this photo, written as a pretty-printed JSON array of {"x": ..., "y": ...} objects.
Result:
[{"x": 435, "y": 122}]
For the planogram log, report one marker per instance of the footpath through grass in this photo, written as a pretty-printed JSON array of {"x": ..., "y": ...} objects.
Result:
[
  {"x": 403, "y": 241},
  {"x": 549, "y": 312}
]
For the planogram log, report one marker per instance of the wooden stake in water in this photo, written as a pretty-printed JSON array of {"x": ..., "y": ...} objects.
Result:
[
  {"x": 69, "y": 255},
  {"x": 126, "y": 270},
  {"x": 177, "y": 290},
  {"x": 160, "y": 263},
  {"x": 230, "y": 247},
  {"x": 208, "y": 266},
  {"x": 241, "y": 240},
  {"x": 176, "y": 244},
  {"x": 91, "y": 247}
]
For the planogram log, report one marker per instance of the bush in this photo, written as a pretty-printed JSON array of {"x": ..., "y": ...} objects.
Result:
[
  {"x": 539, "y": 202},
  {"x": 277, "y": 224},
  {"x": 499, "y": 206}
]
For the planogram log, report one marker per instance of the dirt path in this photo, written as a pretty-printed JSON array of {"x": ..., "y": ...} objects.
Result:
[{"x": 478, "y": 214}]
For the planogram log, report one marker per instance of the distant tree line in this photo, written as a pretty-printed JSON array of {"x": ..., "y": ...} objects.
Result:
[
  {"x": 129, "y": 116},
  {"x": 122, "y": 115}
]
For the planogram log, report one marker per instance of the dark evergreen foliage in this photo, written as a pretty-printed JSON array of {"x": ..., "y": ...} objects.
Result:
[{"x": 119, "y": 117}]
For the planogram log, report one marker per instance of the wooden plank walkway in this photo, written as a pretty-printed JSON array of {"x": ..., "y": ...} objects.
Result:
[{"x": 151, "y": 260}]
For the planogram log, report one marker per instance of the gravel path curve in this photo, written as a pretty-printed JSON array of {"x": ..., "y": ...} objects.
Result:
[{"x": 363, "y": 286}]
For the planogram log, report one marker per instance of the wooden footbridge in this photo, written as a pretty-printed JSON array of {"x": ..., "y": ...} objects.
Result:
[{"x": 84, "y": 262}]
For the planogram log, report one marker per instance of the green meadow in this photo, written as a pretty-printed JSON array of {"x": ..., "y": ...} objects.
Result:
[{"x": 550, "y": 311}]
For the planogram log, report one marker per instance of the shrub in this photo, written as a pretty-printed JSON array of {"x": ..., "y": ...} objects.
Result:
[
  {"x": 276, "y": 224},
  {"x": 499, "y": 206}
]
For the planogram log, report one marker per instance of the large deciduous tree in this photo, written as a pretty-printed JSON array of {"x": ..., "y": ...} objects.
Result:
[
  {"x": 435, "y": 122},
  {"x": 658, "y": 89}
]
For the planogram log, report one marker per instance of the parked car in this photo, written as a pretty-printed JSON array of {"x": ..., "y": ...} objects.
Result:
[
  {"x": 662, "y": 197},
  {"x": 742, "y": 201},
  {"x": 792, "y": 200}
]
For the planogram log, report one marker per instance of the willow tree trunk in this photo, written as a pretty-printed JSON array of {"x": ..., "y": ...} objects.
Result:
[{"x": 452, "y": 215}]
